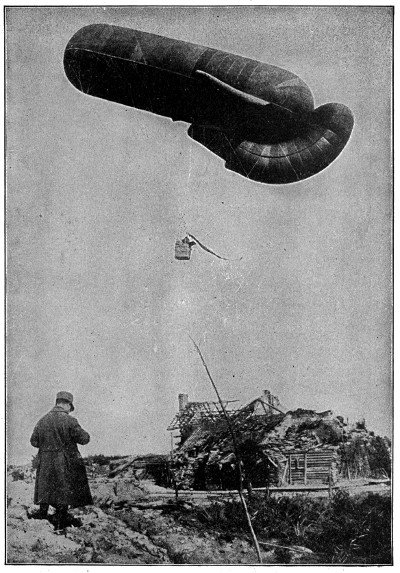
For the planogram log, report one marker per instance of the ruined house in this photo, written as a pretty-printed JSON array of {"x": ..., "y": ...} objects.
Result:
[{"x": 277, "y": 448}]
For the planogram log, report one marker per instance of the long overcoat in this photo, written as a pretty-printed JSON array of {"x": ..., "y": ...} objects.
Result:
[{"x": 61, "y": 475}]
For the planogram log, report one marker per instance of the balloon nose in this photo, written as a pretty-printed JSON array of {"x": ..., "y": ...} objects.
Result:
[{"x": 336, "y": 117}]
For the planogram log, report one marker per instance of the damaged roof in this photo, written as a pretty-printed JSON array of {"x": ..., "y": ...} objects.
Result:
[{"x": 203, "y": 426}]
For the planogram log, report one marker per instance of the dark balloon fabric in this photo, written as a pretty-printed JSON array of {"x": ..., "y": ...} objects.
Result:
[
  {"x": 61, "y": 475},
  {"x": 260, "y": 119}
]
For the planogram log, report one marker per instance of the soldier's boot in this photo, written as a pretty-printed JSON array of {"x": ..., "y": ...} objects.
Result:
[
  {"x": 61, "y": 518},
  {"x": 39, "y": 513},
  {"x": 44, "y": 508}
]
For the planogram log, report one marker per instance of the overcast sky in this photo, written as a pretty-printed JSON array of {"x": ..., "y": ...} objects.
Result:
[{"x": 97, "y": 194}]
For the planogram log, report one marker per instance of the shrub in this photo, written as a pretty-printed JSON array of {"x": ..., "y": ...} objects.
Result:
[
  {"x": 355, "y": 530},
  {"x": 99, "y": 459},
  {"x": 345, "y": 530},
  {"x": 378, "y": 456},
  {"x": 363, "y": 457},
  {"x": 354, "y": 458}
]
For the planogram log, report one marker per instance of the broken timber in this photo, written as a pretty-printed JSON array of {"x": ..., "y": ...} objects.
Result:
[{"x": 122, "y": 467}]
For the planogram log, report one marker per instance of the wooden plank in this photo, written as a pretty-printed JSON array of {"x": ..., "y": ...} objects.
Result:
[
  {"x": 318, "y": 468},
  {"x": 284, "y": 472},
  {"x": 305, "y": 469}
]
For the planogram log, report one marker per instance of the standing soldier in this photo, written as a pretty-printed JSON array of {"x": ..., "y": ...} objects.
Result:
[{"x": 61, "y": 479}]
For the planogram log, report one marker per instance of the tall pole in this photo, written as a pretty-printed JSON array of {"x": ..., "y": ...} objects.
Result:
[{"x": 237, "y": 455}]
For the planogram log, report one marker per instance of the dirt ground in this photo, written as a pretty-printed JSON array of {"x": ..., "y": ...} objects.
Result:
[
  {"x": 113, "y": 531},
  {"x": 108, "y": 535}
]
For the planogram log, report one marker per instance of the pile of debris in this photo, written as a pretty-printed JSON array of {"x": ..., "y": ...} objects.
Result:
[
  {"x": 300, "y": 447},
  {"x": 140, "y": 467},
  {"x": 25, "y": 472}
]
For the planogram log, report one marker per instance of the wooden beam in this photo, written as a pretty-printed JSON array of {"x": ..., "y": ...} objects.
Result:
[{"x": 305, "y": 469}]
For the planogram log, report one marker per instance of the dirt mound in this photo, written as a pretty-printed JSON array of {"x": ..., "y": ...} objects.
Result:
[
  {"x": 31, "y": 540},
  {"x": 108, "y": 535},
  {"x": 101, "y": 538}
]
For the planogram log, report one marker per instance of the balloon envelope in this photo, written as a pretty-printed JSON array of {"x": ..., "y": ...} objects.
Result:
[{"x": 260, "y": 119}]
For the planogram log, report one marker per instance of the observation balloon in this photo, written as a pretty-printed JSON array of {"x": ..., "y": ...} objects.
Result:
[{"x": 260, "y": 119}]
